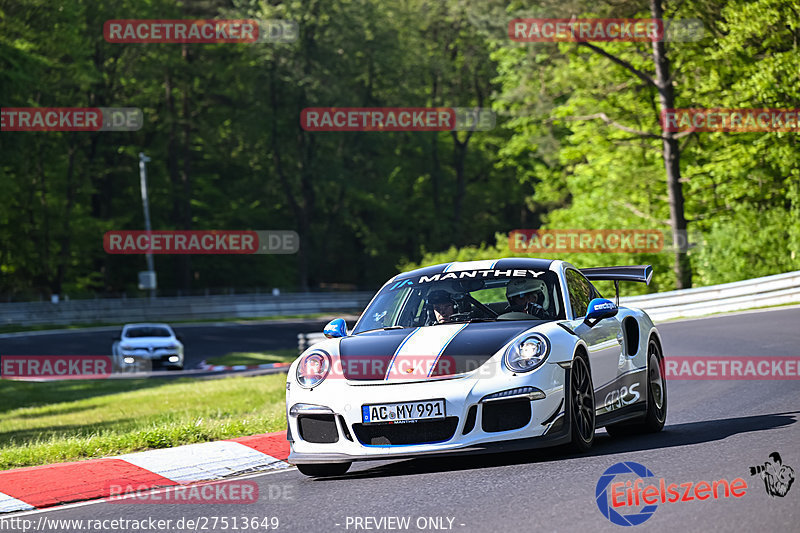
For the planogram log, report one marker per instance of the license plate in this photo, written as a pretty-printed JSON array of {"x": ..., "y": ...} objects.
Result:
[{"x": 391, "y": 413}]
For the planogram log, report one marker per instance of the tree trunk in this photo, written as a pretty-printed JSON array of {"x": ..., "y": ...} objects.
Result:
[
  {"x": 66, "y": 237},
  {"x": 185, "y": 262},
  {"x": 672, "y": 159},
  {"x": 459, "y": 155}
]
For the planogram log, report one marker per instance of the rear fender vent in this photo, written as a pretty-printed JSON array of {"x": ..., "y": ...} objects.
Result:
[{"x": 631, "y": 328}]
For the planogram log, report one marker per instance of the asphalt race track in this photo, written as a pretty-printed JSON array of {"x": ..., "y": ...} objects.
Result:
[
  {"x": 200, "y": 341},
  {"x": 715, "y": 430}
]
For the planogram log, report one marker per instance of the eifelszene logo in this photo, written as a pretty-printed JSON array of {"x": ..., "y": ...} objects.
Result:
[
  {"x": 615, "y": 497},
  {"x": 778, "y": 477}
]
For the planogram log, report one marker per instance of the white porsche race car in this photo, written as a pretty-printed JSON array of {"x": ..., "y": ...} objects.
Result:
[{"x": 474, "y": 357}]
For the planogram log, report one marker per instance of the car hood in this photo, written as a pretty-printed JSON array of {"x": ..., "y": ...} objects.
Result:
[
  {"x": 144, "y": 342},
  {"x": 431, "y": 351}
]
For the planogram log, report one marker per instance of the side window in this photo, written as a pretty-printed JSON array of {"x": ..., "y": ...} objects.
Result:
[{"x": 581, "y": 293}]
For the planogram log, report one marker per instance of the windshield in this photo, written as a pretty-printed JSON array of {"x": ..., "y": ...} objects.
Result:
[
  {"x": 147, "y": 332},
  {"x": 469, "y": 296}
]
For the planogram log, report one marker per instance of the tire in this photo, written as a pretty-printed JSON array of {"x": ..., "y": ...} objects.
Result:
[
  {"x": 656, "y": 414},
  {"x": 582, "y": 405},
  {"x": 324, "y": 470}
]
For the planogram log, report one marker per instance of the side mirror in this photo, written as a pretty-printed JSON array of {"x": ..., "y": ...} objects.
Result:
[
  {"x": 598, "y": 309},
  {"x": 335, "y": 328}
]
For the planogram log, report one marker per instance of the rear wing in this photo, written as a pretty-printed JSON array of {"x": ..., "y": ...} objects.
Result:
[{"x": 638, "y": 273}]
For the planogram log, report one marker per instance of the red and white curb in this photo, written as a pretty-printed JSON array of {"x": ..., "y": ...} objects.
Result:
[
  {"x": 37, "y": 487},
  {"x": 222, "y": 368}
]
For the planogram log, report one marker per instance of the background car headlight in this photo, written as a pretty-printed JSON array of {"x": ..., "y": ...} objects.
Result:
[
  {"x": 525, "y": 355},
  {"x": 126, "y": 347},
  {"x": 312, "y": 369}
]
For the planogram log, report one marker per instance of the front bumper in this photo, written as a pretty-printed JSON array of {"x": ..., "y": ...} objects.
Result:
[
  {"x": 149, "y": 360},
  {"x": 347, "y": 439}
]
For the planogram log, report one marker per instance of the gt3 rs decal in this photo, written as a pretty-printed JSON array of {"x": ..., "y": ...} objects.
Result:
[
  {"x": 622, "y": 397},
  {"x": 627, "y": 389}
]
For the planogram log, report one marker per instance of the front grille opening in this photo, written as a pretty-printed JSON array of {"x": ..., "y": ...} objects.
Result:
[
  {"x": 319, "y": 429},
  {"x": 506, "y": 415},
  {"x": 346, "y": 431},
  {"x": 422, "y": 432},
  {"x": 469, "y": 425}
]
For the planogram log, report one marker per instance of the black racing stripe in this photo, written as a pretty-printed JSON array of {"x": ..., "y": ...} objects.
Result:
[
  {"x": 426, "y": 271},
  {"x": 523, "y": 263},
  {"x": 366, "y": 356},
  {"x": 476, "y": 343}
]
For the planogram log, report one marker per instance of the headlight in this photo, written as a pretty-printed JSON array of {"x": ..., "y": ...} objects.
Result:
[
  {"x": 126, "y": 347},
  {"x": 312, "y": 369},
  {"x": 527, "y": 354},
  {"x": 172, "y": 347}
]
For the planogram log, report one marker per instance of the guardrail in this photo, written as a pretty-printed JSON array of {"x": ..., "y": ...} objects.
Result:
[
  {"x": 184, "y": 308},
  {"x": 686, "y": 303}
]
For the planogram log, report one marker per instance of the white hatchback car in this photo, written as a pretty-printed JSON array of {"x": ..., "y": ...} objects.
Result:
[{"x": 149, "y": 346}]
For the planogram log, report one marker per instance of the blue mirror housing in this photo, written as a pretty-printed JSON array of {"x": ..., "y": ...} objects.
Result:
[
  {"x": 335, "y": 328},
  {"x": 600, "y": 308}
]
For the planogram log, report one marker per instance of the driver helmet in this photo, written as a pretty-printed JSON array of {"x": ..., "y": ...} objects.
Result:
[
  {"x": 440, "y": 297},
  {"x": 516, "y": 287}
]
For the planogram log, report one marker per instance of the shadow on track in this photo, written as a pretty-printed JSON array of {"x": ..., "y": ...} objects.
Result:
[{"x": 672, "y": 436}]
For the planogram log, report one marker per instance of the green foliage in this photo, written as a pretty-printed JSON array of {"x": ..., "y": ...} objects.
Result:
[
  {"x": 66, "y": 421},
  {"x": 222, "y": 126},
  {"x": 741, "y": 189}
]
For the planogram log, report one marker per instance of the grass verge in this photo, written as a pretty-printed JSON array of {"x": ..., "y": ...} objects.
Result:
[
  {"x": 42, "y": 423},
  {"x": 254, "y": 358}
]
